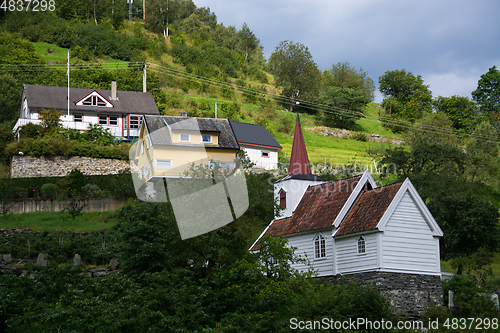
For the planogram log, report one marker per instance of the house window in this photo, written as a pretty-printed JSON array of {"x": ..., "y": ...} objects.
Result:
[
  {"x": 134, "y": 122},
  {"x": 94, "y": 101},
  {"x": 361, "y": 245},
  {"x": 283, "y": 199},
  {"x": 78, "y": 118},
  {"x": 163, "y": 163},
  {"x": 320, "y": 247},
  {"x": 183, "y": 137},
  {"x": 206, "y": 138},
  {"x": 265, "y": 154},
  {"x": 113, "y": 120},
  {"x": 103, "y": 120}
]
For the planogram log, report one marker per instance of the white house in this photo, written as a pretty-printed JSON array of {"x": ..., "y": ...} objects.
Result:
[
  {"x": 353, "y": 229},
  {"x": 119, "y": 111},
  {"x": 259, "y": 145}
]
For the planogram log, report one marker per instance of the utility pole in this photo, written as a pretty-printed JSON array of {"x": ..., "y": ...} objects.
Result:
[
  {"x": 130, "y": 9},
  {"x": 143, "y": 77},
  {"x": 144, "y": 10}
]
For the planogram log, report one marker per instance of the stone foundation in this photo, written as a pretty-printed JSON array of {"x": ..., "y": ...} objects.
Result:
[
  {"x": 59, "y": 166},
  {"x": 409, "y": 294}
]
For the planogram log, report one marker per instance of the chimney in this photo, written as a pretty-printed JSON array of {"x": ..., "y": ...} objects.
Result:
[
  {"x": 184, "y": 114},
  {"x": 113, "y": 90}
]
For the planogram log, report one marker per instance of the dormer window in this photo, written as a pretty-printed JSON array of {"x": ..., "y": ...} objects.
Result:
[
  {"x": 94, "y": 101},
  {"x": 319, "y": 247},
  {"x": 184, "y": 137},
  {"x": 206, "y": 138},
  {"x": 361, "y": 245},
  {"x": 94, "y": 98}
]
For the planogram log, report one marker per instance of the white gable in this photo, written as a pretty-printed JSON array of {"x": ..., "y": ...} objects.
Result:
[{"x": 94, "y": 98}]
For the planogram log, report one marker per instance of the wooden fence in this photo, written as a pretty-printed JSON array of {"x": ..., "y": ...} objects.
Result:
[{"x": 92, "y": 205}]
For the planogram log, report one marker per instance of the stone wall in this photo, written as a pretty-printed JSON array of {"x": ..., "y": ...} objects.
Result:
[
  {"x": 91, "y": 205},
  {"x": 409, "y": 294},
  {"x": 59, "y": 166}
]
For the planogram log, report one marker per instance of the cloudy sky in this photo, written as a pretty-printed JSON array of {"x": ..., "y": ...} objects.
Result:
[{"x": 450, "y": 43}]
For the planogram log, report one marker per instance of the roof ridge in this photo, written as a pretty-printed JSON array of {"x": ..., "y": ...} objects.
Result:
[
  {"x": 381, "y": 187},
  {"x": 335, "y": 181}
]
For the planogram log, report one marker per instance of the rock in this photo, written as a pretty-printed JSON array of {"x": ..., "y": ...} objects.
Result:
[
  {"x": 113, "y": 263},
  {"x": 98, "y": 271},
  {"x": 5, "y": 258},
  {"x": 40, "y": 260},
  {"x": 77, "y": 260}
]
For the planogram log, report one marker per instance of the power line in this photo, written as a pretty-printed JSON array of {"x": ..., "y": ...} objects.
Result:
[{"x": 245, "y": 91}]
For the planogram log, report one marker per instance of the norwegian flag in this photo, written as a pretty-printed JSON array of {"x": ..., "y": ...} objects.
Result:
[{"x": 67, "y": 65}]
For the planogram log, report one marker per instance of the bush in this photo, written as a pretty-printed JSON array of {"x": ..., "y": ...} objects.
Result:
[
  {"x": 49, "y": 191},
  {"x": 360, "y": 137},
  {"x": 91, "y": 191},
  {"x": 470, "y": 299}
]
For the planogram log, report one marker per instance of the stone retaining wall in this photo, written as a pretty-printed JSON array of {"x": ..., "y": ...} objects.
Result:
[
  {"x": 409, "y": 294},
  {"x": 60, "y": 166},
  {"x": 91, "y": 205}
]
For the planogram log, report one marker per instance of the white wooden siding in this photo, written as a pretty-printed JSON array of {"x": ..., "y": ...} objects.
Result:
[
  {"x": 348, "y": 259},
  {"x": 408, "y": 244},
  {"x": 305, "y": 245}
]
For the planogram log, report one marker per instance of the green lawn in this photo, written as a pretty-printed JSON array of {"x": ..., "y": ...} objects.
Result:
[
  {"x": 54, "y": 53},
  {"x": 59, "y": 221},
  {"x": 495, "y": 267}
]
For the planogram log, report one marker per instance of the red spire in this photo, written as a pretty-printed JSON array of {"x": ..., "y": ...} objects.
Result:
[{"x": 299, "y": 162}]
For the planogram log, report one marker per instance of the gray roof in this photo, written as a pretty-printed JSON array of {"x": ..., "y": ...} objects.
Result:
[
  {"x": 46, "y": 97},
  {"x": 254, "y": 135},
  {"x": 158, "y": 128}
]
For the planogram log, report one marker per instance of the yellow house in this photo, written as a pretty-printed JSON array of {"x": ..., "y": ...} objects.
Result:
[{"x": 170, "y": 146}]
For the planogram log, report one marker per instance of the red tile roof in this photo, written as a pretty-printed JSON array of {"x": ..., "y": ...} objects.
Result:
[
  {"x": 299, "y": 162},
  {"x": 273, "y": 230},
  {"x": 368, "y": 210}
]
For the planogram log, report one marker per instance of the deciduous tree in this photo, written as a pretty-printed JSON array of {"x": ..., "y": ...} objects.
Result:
[
  {"x": 487, "y": 95},
  {"x": 405, "y": 95},
  {"x": 296, "y": 72}
]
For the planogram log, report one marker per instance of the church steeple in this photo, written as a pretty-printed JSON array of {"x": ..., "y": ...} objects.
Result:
[{"x": 299, "y": 162}]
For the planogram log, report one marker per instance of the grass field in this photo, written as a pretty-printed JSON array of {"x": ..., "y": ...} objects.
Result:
[
  {"x": 55, "y": 54},
  {"x": 60, "y": 221}
]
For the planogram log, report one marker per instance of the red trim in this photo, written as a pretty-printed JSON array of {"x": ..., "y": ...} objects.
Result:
[
  {"x": 256, "y": 145},
  {"x": 78, "y": 100}
]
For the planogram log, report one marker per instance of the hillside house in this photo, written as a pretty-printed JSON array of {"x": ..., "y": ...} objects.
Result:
[
  {"x": 259, "y": 145},
  {"x": 118, "y": 111},
  {"x": 168, "y": 146},
  {"x": 351, "y": 228}
]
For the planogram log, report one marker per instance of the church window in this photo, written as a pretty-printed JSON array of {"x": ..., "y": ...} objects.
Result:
[
  {"x": 320, "y": 246},
  {"x": 361, "y": 245},
  {"x": 283, "y": 199}
]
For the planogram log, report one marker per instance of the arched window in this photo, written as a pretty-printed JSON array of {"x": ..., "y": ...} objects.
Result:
[
  {"x": 283, "y": 199},
  {"x": 361, "y": 245},
  {"x": 319, "y": 246}
]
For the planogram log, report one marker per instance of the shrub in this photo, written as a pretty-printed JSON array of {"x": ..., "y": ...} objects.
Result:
[
  {"x": 360, "y": 137},
  {"x": 49, "y": 190},
  {"x": 91, "y": 191}
]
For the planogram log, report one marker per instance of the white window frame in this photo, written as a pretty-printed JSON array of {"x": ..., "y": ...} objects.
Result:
[
  {"x": 361, "y": 244},
  {"x": 180, "y": 137},
  {"x": 160, "y": 161},
  {"x": 134, "y": 122},
  {"x": 209, "y": 135},
  {"x": 262, "y": 152},
  {"x": 319, "y": 247}
]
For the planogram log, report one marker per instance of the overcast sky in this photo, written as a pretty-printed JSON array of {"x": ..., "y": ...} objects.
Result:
[{"x": 450, "y": 43}]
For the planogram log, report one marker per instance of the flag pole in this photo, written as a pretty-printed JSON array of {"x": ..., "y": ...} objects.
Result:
[{"x": 67, "y": 73}]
